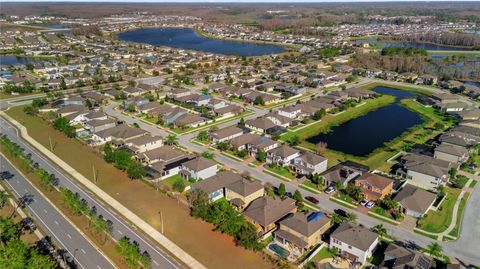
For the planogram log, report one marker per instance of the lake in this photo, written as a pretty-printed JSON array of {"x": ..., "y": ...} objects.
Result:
[
  {"x": 362, "y": 135},
  {"x": 10, "y": 60},
  {"x": 187, "y": 38},
  {"x": 427, "y": 46}
]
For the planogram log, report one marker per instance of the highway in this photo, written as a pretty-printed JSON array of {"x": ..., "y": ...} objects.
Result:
[
  {"x": 121, "y": 228},
  {"x": 64, "y": 234}
]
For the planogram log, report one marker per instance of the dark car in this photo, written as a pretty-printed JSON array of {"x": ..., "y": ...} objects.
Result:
[
  {"x": 289, "y": 194},
  {"x": 6, "y": 175},
  {"x": 341, "y": 212},
  {"x": 311, "y": 199}
]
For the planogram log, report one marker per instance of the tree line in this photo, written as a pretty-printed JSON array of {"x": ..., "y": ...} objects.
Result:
[{"x": 124, "y": 161}]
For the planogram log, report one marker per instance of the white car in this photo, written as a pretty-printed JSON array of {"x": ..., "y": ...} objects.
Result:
[
  {"x": 329, "y": 190},
  {"x": 370, "y": 204},
  {"x": 364, "y": 203}
]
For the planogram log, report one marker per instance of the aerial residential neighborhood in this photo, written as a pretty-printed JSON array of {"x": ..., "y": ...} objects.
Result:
[{"x": 240, "y": 135}]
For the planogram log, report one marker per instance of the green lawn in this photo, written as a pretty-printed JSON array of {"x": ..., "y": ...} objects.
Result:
[
  {"x": 405, "y": 88},
  {"x": 343, "y": 196},
  {"x": 324, "y": 253},
  {"x": 283, "y": 171},
  {"x": 438, "y": 221},
  {"x": 170, "y": 180},
  {"x": 473, "y": 183},
  {"x": 313, "y": 186},
  {"x": 456, "y": 231}
]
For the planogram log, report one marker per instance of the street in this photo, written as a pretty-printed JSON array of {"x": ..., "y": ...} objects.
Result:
[
  {"x": 120, "y": 228},
  {"x": 65, "y": 235}
]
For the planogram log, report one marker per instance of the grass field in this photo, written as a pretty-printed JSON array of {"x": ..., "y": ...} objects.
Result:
[
  {"x": 438, "y": 221},
  {"x": 196, "y": 237},
  {"x": 456, "y": 231}
]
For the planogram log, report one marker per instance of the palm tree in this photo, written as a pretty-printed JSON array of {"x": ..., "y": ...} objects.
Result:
[
  {"x": 434, "y": 249},
  {"x": 4, "y": 196},
  {"x": 171, "y": 139},
  {"x": 352, "y": 217},
  {"x": 379, "y": 229}
]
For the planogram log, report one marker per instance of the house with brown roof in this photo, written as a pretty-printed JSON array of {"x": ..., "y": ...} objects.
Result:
[
  {"x": 415, "y": 201},
  {"x": 228, "y": 111},
  {"x": 261, "y": 143},
  {"x": 301, "y": 231},
  {"x": 241, "y": 142},
  {"x": 260, "y": 125},
  {"x": 355, "y": 243},
  {"x": 198, "y": 168},
  {"x": 239, "y": 191},
  {"x": 343, "y": 173},
  {"x": 190, "y": 120},
  {"x": 225, "y": 134},
  {"x": 266, "y": 211},
  {"x": 374, "y": 187}
]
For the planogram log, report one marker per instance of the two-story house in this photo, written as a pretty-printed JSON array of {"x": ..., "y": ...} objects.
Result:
[
  {"x": 198, "y": 168},
  {"x": 282, "y": 155},
  {"x": 266, "y": 211},
  {"x": 374, "y": 187},
  {"x": 309, "y": 163}
]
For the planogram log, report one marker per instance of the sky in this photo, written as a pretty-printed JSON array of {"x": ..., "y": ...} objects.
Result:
[{"x": 236, "y": 1}]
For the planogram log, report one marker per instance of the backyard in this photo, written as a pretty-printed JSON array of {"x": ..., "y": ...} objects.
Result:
[
  {"x": 438, "y": 221},
  {"x": 196, "y": 237}
]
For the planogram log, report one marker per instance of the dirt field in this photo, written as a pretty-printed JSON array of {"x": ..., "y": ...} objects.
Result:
[{"x": 213, "y": 249}]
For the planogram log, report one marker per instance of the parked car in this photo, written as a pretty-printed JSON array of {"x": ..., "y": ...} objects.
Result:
[
  {"x": 341, "y": 212},
  {"x": 364, "y": 203},
  {"x": 329, "y": 190},
  {"x": 370, "y": 204},
  {"x": 311, "y": 199},
  {"x": 289, "y": 194}
]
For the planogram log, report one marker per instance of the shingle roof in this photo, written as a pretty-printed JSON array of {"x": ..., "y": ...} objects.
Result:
[
  {"x": 356, "y": 236},
  {"x": 199, "y": 164},
  {"x": 305, "y": 223},
  {"x": 267, "y": 210},
  {"x": 415, "y": 199}
]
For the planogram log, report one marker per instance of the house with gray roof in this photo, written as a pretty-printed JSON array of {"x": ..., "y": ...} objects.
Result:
[
  {"x": 399, "y": 257},
  {"x": 225, "y": 134},
  {"x": 425, "y": 171},
  {"x": 282, "y": 155},
  {"x": 415, "y": 201},
  {"x": 118, "y": 134},
  {"x": 99, "y": 125},
  {"x": 451, "y": 153},
  {"x": 199, "y": 168},
  {"x": 355, "y": 243},
  {"x": 309, "y": 163}
]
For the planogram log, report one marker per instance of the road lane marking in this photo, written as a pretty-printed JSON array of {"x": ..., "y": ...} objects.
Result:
[
  {"x": 156, "y": 263},
  {"x": 83, "y": 251},
  {"x": 120, "y": 232},
  {"x": 69, "y": 236},
  {"x": 56, "y": 222},
  {"x": 44, "y": 210}
]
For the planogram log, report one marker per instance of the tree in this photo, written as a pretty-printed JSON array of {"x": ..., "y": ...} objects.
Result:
[
  {"x": 352, "y": 217},
  {"x": 441, "y": 191},
  {"x": 337, "y": 219},
  {"x": 8, "y": 230},
  {"x": 132, "y": 255},
  {"x": 36, "y": 260},
  {"x": 319, "y": 114},
  {"x": 30, "y": 110},
  {"x": 261, "y": 156},
  {"x": 439, "y": 126},
  {"x": 389, "y": 203},
  {"x": 259, "y": 101},
  {"x": 14, "y": 255},
  {"x": 294, "y": 140},
  {"x": 199, "y": 204},
  {"x": 281, "y": 190},
  {"x": 321, "y": 148},
  {"x": 269, "y": 190},
  {"x": 179, "y": 185},
  {"x": 202, "y": 135},
  {"x": 379, "y": 229},
  {"x": 135, "y": 170},
  {"x": 171, "y": 139},
  {"x": 63, "y": 124},
  {"x": 4, "y": 196},
  {"x": 241, "y": 123},
  {"x": 354, "y": 192},
  {"x": 434, "y": 249},
  {"x": 207, "y": 155},
  {"x": 222, "y": 146},
  {"x": 298, "y": 198}
]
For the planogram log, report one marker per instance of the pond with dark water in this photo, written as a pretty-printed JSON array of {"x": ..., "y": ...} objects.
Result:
[{"x": 362, "y": 135}]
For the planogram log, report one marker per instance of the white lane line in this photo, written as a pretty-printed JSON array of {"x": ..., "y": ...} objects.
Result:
[
  {"x": 98, "y": 266},
  {"x": 120, "y": 232},
  {"x": 83, "y": 251},
  {"x": 155, "y": 262},
  {"x": 44, "y": 210},
  {"x": 69, "y": 236},
  {"x": 56, "y": 222}
]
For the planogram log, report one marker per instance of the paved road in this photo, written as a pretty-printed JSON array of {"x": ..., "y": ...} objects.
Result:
[
  {"x": 64, "y": 234},
  {"x": 120, "y": 228}
]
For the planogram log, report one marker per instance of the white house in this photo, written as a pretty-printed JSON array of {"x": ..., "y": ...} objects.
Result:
[
  {"x": 355, "y": 243},
  {"x": 198, "y": 168}
]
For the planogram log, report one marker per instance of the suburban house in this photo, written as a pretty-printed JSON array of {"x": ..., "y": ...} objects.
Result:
[
  {"x": 261, "y": 125},
  {"x": 266, "y": 211},
  {"x": 309, "y": 163},
  {"x": 355, "y": 243},
  {"x": 261, "y": 144},
  {"x": 225, "y": 134},
  {"x": 415, "y": 201},
  {"x": 451, "y": 153},
  {"x": 282, "y": 155},
  {"x": 198, "y": 168},
  {"x": 163, "y": 162},
  {"x": 118, "y": 134},
  {"x": 239, "y": 191},
  {"x": 72, "y": 109},
  {"x": 301, "y": 231},
  {"x": 144, "y": 143},
  {"x": 425, "y": 171},
  {"x": 241, "y": 142},
  {"x": 343, "y": 173},
  {"x": 398, "y": 257},
  {"x": 374, "y": 187},
  {"x": 99, "y": 125}
]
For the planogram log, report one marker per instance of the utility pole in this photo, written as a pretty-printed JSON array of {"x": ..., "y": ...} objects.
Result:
[
  {"x": 161, "y": 220},
  {"x": 51, "y": 145}
]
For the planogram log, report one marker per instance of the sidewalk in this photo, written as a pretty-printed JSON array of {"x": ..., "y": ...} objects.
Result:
[{"x": 126, "y": 213}]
